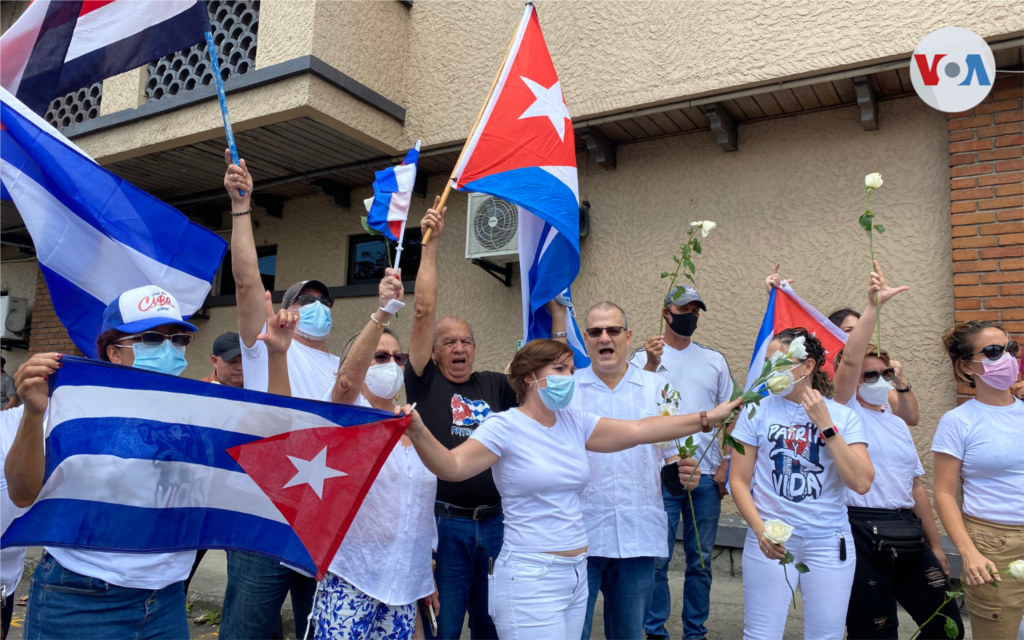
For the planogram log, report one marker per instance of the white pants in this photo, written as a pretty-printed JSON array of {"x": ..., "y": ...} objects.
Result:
[
  {"x": 537, "y": 596},
  {"x": 825, "y": 589}
]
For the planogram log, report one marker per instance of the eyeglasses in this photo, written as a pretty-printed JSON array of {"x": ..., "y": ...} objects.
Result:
[
  {"x": 303, "y": 300},
  {"x": 996, "y": 351},
  {"x": 383, "y": 357},
  {"x": 155, "y": 338},
  {"x": 887, "y": 374},
  {"x": 613, "y": 332}
]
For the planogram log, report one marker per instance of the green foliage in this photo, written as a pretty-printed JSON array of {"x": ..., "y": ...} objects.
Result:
[
  {"x": 208, "y": 617},
  {"x": 665, "y": 274},
  {"x": 366, "y": 225},
  {"x": 801, "y": 567},
  {"x": 879, "y": 228},
  {"x": 951, "y": 627},
  {"x": 732, "y": 442},
  {"x": 865, "y": 221}
]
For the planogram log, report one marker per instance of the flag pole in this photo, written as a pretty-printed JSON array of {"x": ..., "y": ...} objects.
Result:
[
  {"x": 401, "y": 245},
  {"x": 479, "y": 116},
  {"x": 211, "y": 49}
]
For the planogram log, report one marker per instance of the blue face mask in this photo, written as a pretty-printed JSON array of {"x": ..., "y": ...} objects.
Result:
[
  {"x": 166, "y": 358},
  {"x": 315, "y": 320},
  {"x": 558, "y": 394}
]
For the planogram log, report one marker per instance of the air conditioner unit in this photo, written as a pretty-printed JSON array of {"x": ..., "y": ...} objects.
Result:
[
  {"x": 492, "y": 229},
  {"x": 14, "y": 315}
]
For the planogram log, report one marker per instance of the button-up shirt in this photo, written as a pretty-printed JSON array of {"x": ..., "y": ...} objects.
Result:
[
  {"x": 386, "y": 553},
  {"x": 623, "y": 508}
]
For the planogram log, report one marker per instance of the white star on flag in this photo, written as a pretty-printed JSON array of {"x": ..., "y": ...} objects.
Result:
[
  {"x": 549, "y": 104},
  {"x": 313, "y": 472}
]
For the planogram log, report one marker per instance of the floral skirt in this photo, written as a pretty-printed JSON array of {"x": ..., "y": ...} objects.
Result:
[{"x": 343, "y": 612}]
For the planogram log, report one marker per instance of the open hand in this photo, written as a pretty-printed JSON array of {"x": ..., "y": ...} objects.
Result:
[
  {"x": 433, "y": 220},
  {"x": 33, "y": 380},
  {"x": 774, "y": 281},
  {"x": 280, "y": 327},
  {"x": 879, "y": 290},
  {"x": 236, "y": 179}
]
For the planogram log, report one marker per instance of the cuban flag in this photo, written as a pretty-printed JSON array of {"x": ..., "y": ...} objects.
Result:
[
  {"x": 787, "y": 310},
  {"x": 149, "y": 463},
  {"x": 523, "y": 151},
  {"x": 96, "y": 235},
  {"x": 388, "y": 209},
  {"x": 58, "y": 46}
]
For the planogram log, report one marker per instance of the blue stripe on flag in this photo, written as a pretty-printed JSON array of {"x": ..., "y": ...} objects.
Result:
[
  {"x": 764, "y": 336},
  {"x": 41, "y": 77},
  {"x": 119, "y": 528},
  {"x": 81, "y": 313}
]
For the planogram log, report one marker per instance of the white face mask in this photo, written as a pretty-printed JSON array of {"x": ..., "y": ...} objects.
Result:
[
  {"x": 385, "y": 380},
  {"x": 875, "y": 393},
  {"x": 788, "y": 390}
]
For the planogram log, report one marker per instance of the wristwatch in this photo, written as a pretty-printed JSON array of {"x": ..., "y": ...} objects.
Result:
[
  {"x": 830, "y": 432},
  {"x": 907, "y": 390}
]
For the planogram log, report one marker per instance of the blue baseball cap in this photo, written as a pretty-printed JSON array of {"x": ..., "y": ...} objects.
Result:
[
  {"x": 142, "y": 309},
  {"x": 684, "y": 295}
]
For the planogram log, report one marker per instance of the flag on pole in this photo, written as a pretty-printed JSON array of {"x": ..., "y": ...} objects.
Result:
[
  {"x": 787, "y": 310},
  {"x": 523, "y": 151},
  {"x": 388, "y": 209},
  {"x": 145, "y": 462},
  {"x": 58, "y": 46},
  {"x": 95, "y": 234}
]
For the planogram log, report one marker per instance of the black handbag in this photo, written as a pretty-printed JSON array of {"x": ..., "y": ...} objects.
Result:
[
  {"x": 891, "y": 537},
  {"x": 670, "y": 479}
]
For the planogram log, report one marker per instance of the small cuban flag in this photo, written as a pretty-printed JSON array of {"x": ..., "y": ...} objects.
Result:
[{"x": 392, "y": 192}]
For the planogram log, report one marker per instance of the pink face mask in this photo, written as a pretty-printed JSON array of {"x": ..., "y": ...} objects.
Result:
[{"x": 1002, "y": 373}]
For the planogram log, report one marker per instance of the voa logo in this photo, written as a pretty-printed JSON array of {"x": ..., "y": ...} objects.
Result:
[{"x": 952, "y": 69}]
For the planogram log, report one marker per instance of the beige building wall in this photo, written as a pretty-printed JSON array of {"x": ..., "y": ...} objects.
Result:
[{"x": 18, "y": 279}]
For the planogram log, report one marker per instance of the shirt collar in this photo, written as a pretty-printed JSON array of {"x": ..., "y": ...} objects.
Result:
[{"x": 633, "y": 376}]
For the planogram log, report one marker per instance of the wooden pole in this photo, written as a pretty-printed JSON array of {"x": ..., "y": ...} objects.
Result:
[{"x": 479, "y": 116}]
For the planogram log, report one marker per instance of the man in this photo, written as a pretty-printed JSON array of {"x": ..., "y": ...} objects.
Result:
[
  {"x": 453, "y": 400},
  {"x": 702, "y": 377},
  {"x": 622, "y": 505},
  {"x": 227, "y": 361},
  {"x": 9, "y": 391},
  {"x": 257, "y": 585}
]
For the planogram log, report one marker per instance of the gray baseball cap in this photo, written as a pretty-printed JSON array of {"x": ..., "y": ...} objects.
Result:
[
  {"x": 227, "y": 346},
  {"x": 293, "y": 291},
  {"x": 683, "y": 295}
]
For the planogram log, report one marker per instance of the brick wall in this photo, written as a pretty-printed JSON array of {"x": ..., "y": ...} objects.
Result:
[
  {"x": 986, "y": 171},
  {"x": 48, "y": 334}
]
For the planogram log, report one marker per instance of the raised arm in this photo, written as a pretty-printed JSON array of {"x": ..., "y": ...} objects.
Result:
[
  {"x": 557, "y": 312},
  {"x": 278, "y": 337},
  {"x": 25, "y": 466},
  {"x": 612, "y": 435},
  {"x": 774, "y": 280},
  {"x": 903, "y": 403},
  {"x": 244, "y": 264},
  {"x": 422, "y": 341},
  {"x": 360, "y": 356},
  {"x": 465, "y": 461}
]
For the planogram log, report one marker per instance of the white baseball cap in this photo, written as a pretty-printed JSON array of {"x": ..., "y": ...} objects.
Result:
[{"x": 143, "y": 308}]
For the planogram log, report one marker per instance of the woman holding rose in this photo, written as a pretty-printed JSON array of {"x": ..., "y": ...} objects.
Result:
[{"x": 802, "y": 452}]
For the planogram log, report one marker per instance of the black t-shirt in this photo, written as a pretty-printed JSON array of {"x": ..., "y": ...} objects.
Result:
[{"x": 452, "y": 412}]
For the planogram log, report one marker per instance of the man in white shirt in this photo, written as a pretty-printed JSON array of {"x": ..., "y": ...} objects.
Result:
[
  {"x": 701, "y": 376},
  {"x": 622, "y": 505},
  {"x": 257, "y": 585}
]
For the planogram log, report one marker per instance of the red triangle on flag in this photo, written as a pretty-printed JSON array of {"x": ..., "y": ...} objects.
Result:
[{"x": 317, "y": 478}]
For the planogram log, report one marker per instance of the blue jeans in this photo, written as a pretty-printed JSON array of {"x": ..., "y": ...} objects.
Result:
[
  {"x": 62, "y": 604},
  {"x": 697, "y": 588},
  {"x": 464, "y": 551},
  {"x": 627, "y": 585},
  {"x": 257, "y": 586}
]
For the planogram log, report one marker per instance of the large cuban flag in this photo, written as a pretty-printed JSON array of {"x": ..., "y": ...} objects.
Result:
[
  {"x": 145, "y": 462},
  {"x": 58, "y": 46},
  {"x": 523, "y": 151},
  {"x": 95, "y": 234},
  {"x": 388, "y": 209},
  {"x": 787, "y": 310}
]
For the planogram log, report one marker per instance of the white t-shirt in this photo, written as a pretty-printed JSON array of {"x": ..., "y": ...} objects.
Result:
[
  {"x": 311, "y": 372},
  {"x": 701, "y": 376},
  {"x": 623, "y": 508},
  {"x": 893, "y": 456},
  {"x": 12, "y": 559},
  {"x": 540, "y": 475},
  {"x": 794, "y": 477},
  {"x": 989, "y": 442}
]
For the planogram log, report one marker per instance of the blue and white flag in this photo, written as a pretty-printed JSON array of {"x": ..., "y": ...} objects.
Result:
[
  {"x": 96, "y": 235},
  {"x": 388, "y": 209},
  {"x": 150, "y": 463},
  {"x": 549, "y": 263}
]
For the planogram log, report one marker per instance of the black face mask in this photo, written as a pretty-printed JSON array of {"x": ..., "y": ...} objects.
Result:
[{"x": 684, "y": 324}]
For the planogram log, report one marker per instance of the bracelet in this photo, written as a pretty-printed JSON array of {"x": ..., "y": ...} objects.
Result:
[
  {"x": 907, "y": 390},
  {"x": 241, "y": 213},
  {"x": 558, "y": 334},
  {"x": 378, "y": 322}
]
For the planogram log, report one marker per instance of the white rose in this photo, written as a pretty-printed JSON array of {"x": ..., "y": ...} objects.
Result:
[
  {"x": 668, "y": 410},
  {"x": 873, "y": 181},
  {"x": 797, "y": 352},
  {"x": 1017, "y": 569},
  {"x": 707, "y": 228},
  {"x": 777, "y": 531},
  {"x": 778, "y": 383}
]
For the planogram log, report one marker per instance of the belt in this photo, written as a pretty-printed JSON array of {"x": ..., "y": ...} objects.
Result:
[
  {"x": 477, "y": 513},
  {"x": 867, "y": 513}
]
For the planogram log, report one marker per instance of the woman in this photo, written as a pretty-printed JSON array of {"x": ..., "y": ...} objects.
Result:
[
  {"x": 846, "y": 319},
  {"x": 538, "y": 451},
  {"x": 899, "y": 553},
  {"x": 106, "y": 594},
  {"x": 980, "y": 443},
  {"x": 802, "y": 452},
  {"x": 383, "y": 566}
]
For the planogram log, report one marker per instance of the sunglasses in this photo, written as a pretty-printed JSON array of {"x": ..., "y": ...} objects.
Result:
[
  {"x": 303, "y": 300},
  {"x": 155, "y": 338},
  {"x": 887, "y": 374},
  {"x": 613, "y": 332},
  {"x": 383, "y": 357},
  {"x": 996, "y": 351}
]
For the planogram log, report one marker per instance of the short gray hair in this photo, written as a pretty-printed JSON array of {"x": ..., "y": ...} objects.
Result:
[
  {"x": 437, "y": 324},
  {"x": 606, "y": 306}
]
